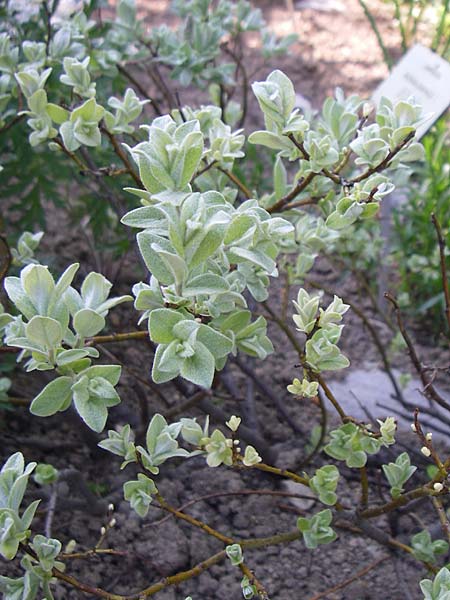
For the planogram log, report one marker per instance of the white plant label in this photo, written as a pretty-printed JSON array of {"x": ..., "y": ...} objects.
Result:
[{"x": 423, "y": 74}]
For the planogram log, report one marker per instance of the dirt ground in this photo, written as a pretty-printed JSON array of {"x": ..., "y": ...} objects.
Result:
[{"x": 335, "y": 48}]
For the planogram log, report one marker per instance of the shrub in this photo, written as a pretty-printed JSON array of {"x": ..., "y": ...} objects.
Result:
[{"x": 211, "y": 247}]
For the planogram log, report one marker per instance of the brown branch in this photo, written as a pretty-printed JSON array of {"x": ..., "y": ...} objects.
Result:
[
  {"x": 442, "y": 516},
  {"x": 375, "y": 337},
  {"x": 427, "y": 443},
  {"x": 194, "y": 522},
  {"x": 123, "y": 157},
  {"x": 443, "y": 266},
  {"x": 281, "y": 472},
  {"x": 429, "y": 390},
  {"x": 384, "y": 164},
  {"x": 364, "y": 487},
  {"x": 314, "y": 376},
  {"x": 126, "y": 73},
  {"x": 304, "y": 202},
  {"x": 261, "y": 492},
  {"x": 11, "y": 123},
  {"x": 117, "y": 337},
  {"x": 80, "y": 164},
  {"x": 243, "y": 188},
  {"x": 245, "y": 86},
  {"x": 302, "y": 183},
  {"x": 325, "y": 172},
  {"x": 203, "y": 170},
  {"x": 6, "y": 258},
  {"x": 401, "y": 500},
  {"x": 261, "y": 590},
  {"x": 90, "y": 553},
  {"x": 282, "y": 538},
  {"x": 349, "y": 580}
]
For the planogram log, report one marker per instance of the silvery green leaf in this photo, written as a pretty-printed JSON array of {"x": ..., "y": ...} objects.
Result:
[
  {"x": 162, "y": 373},
  {"x": 109, "y": 372},
  {"x": 121, "y": 443},
  {"x": 38, "y": 102},
  {"x": 161, "y": 323},
  {"x": 88, "y": 322},
  {"x": 352, "y": 444},
  {"x": 208, "y": 245},
  {"x": 241, "y": 225},
  {"x": 192, "y": 432},
  {"x": 139, "y": 493},
  {"x": 22, "y": 588},
  {"x": 398, "y": 473},
  {"x": 439, "y": 588},
  {"x": 218, "y": 344},
  {"x": 66, "y": 357},
  {"x": 147, "y": 217},
  {"x": 426, "y": 549},
  {"x": 199, "y": 368},
  {"x": 174, "y": 263},
  {"x": 39, "y": 285},
  {"x": 94, "y": 290},
  {"x": 44, "y": 331},
  {"x": 333, "y": 313},
  {"x": 151, "y": 257},
  {"x": 317, "y": 530},
  {"x": 53, "y": 397},
  {"x": 57, "y": 113},
  {"x": 271, "y": 140},
  {"x": 156, "y": 426},
  {"x": 255, "y": 257},
  {"x": 306, "y": 307},
  {"x": 93, "y": 406},
  {"x": 234, "y": 553},
  {"x": 18, "y": 296},
  {"x": 45, "y": 474},
  {"x": 89, "y": 111},
  {"x": 279, "y": 179},
  {"x": 67, "y": 131},
  {"x": 207, "y": 283},
  {"x": 324, "y": 484}
]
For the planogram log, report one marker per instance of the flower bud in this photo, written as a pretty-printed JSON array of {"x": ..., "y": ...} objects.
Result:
[
  {"x": 367, "y": 109},
  {"x": 425, "y": 451},
  {"x": 438, "y": 487}
]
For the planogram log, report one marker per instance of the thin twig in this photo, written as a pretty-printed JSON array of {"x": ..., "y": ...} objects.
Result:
[
  {"x": 429, "y": 390},
  {"x": 123, "y": 157},
  {"x": 325, "y": 172},
  {"x": 384, "y": 164},
  {"x": 11, "y": 123},
  {"x": 302, "y": 183},
  {"x": 375, "y": 337},
  {"x": 126, "y": 73},
  {"x": 442, "y": 516},
  {"x": 443, "y": 264},
  {"x": 243, "y": 188},
  {"x": 364, "y": 487},
  {"x": 214, "y": 495},
  {"x": 314, "y": 376},
  {"x": 117, "y": 337},
  {"x": 348, "y": 581}
]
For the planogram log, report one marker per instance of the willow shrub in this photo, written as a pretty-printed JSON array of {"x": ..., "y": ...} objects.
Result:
[{"x": 210, "y": 245}]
